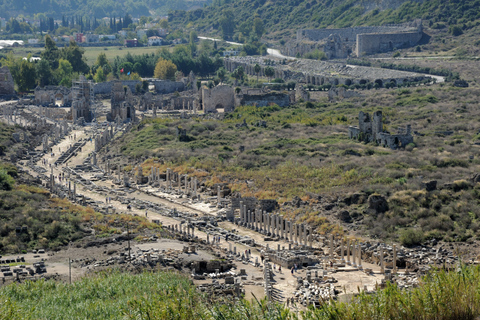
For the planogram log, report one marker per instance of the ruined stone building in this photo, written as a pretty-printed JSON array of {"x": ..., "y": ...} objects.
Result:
[
  {"x": 122, "y": 103},
  {"x": 7, "y": 86},
  {"x": 224, "y": 97},
  {"x": 370, "y": 129},
  {"x": 219, "y": 97},
  {"x": 51, "y": 95},
  {"x": 339, "y": 43},
  {"x": 82, "y": 100}
]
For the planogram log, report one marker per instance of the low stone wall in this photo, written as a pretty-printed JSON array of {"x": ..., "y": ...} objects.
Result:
[{"x": 106, "y": 87}]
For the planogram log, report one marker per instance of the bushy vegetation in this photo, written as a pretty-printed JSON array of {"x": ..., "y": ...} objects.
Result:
[
  {"x": 166, "y": 295},
  {"x": 288, "y": 15},
  {"x": 30, "y": 219},
  {"x": 305, "y": 149}
]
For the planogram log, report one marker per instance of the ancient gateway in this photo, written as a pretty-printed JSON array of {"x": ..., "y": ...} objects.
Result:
[
  {"x": 370, "y": 129},
  {"x": 340, "y": 43}
]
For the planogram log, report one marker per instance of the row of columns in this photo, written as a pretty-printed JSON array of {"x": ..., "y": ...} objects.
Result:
[
  {"x": 275, "y": 225},
  {"x": 351, "y": 254}
]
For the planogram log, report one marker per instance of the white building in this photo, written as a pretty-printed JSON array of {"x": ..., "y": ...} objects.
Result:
[{"x": 155, "y": 41}]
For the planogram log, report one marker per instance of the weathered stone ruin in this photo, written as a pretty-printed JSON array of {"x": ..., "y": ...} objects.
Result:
[
  {"x": 370, "y": 129},
  {"x": 224, "y": 97},
  {"x": 7, "y": 86},
  {"x": 322, "y": 73},
  {"x": 340, "y": 43},
  {"x": 83, "y": 100},
  {"x": 219, "y": 97},
  {"x": 122, "y": 103},
  {"x": 50, "y": 95}
]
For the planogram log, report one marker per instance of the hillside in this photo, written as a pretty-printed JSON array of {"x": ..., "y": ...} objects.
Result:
[
  {"x": 304, "y": 151},
  {"x": 284, "y": 17},
  {"x": 99, "y": 9}
]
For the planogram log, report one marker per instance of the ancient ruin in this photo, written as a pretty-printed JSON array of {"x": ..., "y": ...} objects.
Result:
[
  {"x": 52, "y": 95},
  {"x": 340, "y": 43},
  {"x": 7, "y": 86},
  {"x": 122, "y": 103},
  {"x": 324, "y": 73},
  {"x": 370, "y": 129},
  {"x": 83, "y": 100}
]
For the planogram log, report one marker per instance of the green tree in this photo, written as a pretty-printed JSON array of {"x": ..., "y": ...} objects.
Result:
[
  {"x": 6, "y": 181},
  {"x": 27, "y": 75},
  {"x": 51, "y": 52},
  {"x": 258, "y": 27},
  {"x": 269, "y": 72},
  {"x": 44, "y": 73},
  {"x": 257, "y": 70},
  {"x": 100, "y": 75},
  {"x": 227, "y": 24},
  {"x": 221, "y": 73},
  {"x": 74, "y": 54},
  {"x": 165, "y": 69},
  {"x": 238, "y": 73},
  {"x": 164, "y": 24},
  {"x": 64, "y": 72}
]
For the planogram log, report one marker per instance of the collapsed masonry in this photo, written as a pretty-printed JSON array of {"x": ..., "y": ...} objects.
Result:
[{"x": 371, "y": 130}]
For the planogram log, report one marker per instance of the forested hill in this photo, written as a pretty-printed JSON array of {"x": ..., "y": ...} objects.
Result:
[
  {"x": 97, "y": 8},
  {"x": 289, "y": 15}
]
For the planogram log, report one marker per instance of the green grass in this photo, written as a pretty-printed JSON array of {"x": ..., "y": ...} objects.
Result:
[
  {"x": 165, "y": 295},
  {"x": 91, "y": 53}
]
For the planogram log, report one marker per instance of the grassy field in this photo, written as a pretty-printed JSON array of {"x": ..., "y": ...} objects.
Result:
[{"x": 91, "y": 53}]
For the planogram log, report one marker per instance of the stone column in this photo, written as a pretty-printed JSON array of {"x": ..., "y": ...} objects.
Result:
[
  {"x": 305, "y": 235},
  {"x": 382, "y": 262},
  {"x": 282, "y": 227},
  {"x": 218, "y": 195},
  {"x": 394, "y": 259},
  {"x": 295, "y": 227},
  {"x": 179, "y": 182},
  {"x": 195, "y": 187},
  {"x": 310, "y": 236},
  {"x": 255, "y": 219},
  {"x": 341, "y": 252},
  {"x": 359, "y": 249},
  {"x": 268, "y": 223},
  {"x": 241, "y": 212},
  {"x": 353, "y": 254}
]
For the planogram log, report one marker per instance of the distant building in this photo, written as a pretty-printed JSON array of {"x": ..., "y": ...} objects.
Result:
[
  {"x": 33, "y": 41},
  {"x": 154, "y": 41},
  {"x": 131, "y": 43},
  {"x": 123, "y": 33},
  {"x": 78, "y": 37}
]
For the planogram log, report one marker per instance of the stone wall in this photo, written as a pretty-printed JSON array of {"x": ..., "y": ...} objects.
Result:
[
  {"x": 219, "y": 97},
  {"x": 106, "y": 87},
  {"x": 166, "y": 86},
  {"x": 7, "y": 86},
  {"x": 375, "y": 43},
  {"x": 339, "y": 43},
  {"x": 48, "y": 95},
  {"x": 263, "y": 99}
]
